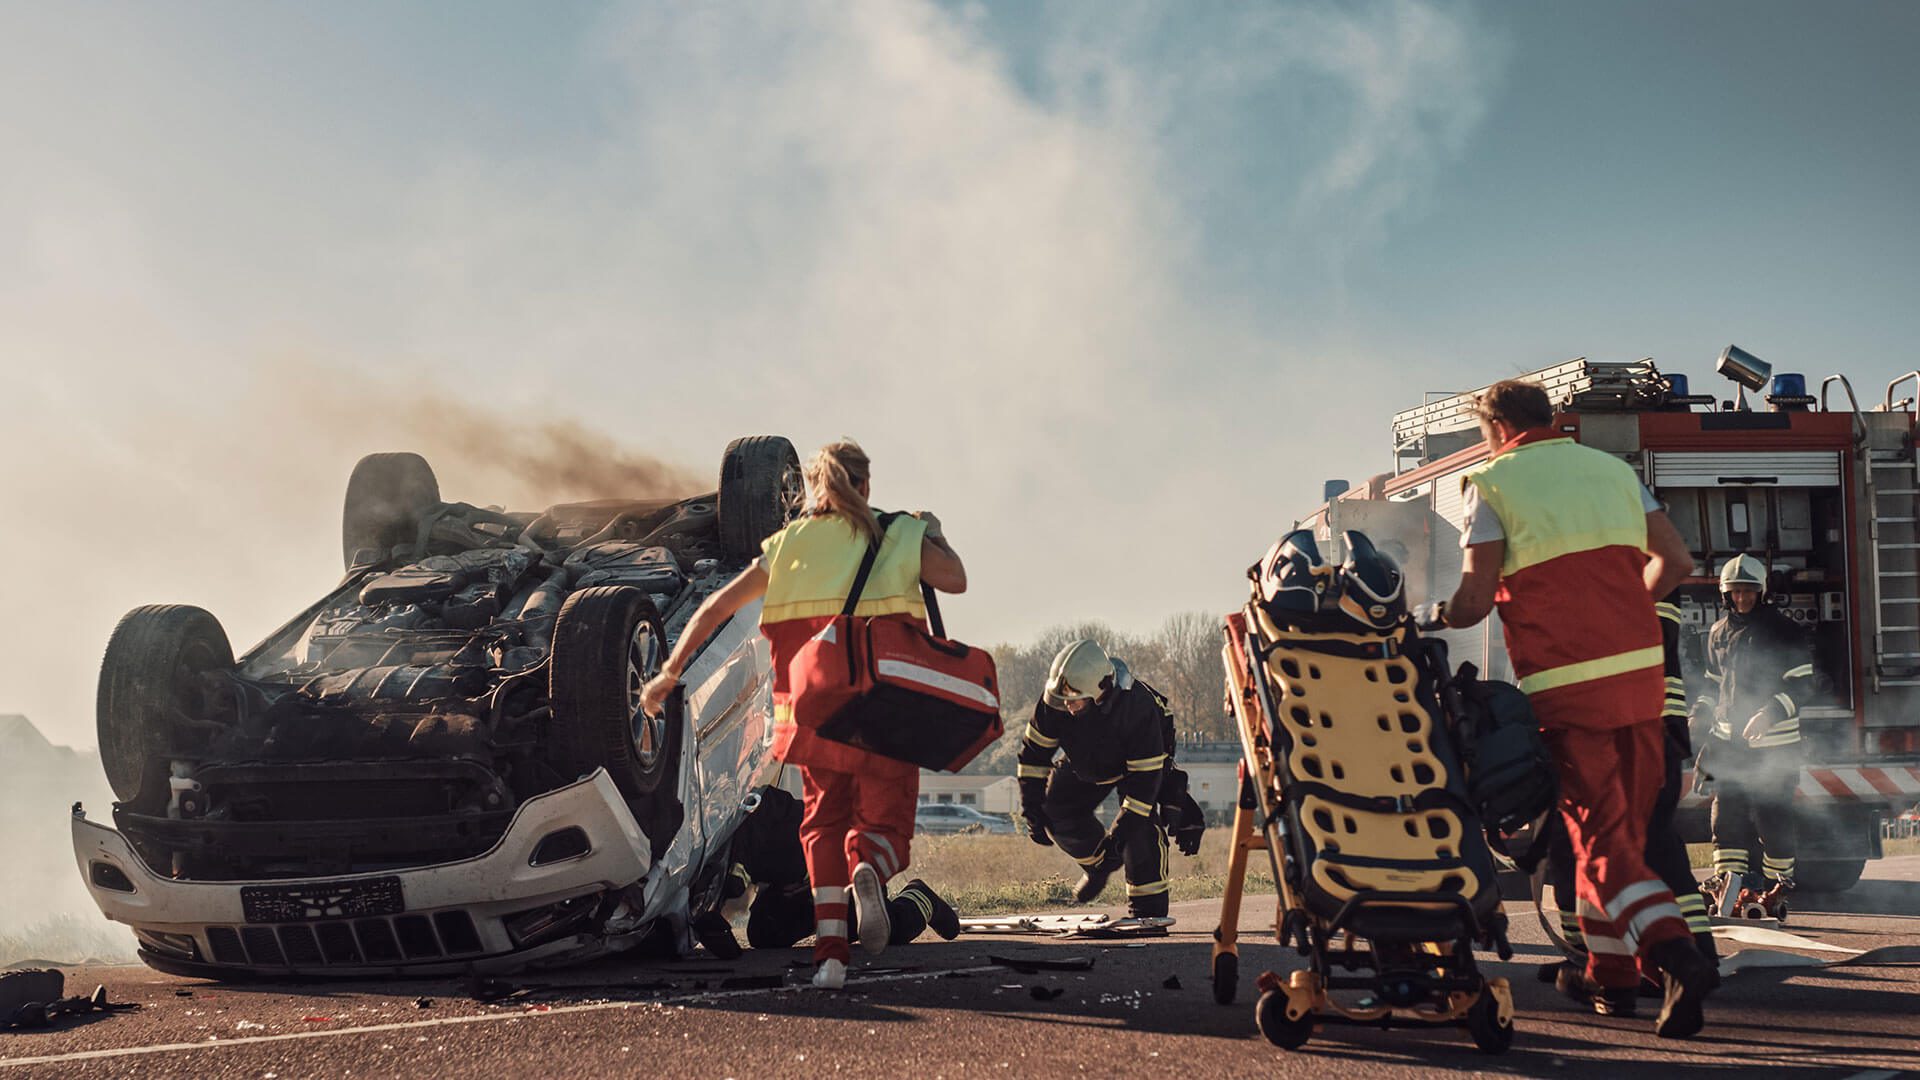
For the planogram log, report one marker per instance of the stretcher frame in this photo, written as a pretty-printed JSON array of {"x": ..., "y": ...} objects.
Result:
[{"x": 1289, "y": 1007}]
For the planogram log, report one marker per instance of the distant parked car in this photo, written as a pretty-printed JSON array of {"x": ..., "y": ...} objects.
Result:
[{"x": 948, "y": 818}]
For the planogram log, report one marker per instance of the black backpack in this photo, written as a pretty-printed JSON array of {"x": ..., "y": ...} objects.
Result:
[{"x": 1510, "y": 775}]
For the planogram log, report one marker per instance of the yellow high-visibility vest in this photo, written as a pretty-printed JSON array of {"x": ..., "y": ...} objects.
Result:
[{"x": 811, "y": 564}]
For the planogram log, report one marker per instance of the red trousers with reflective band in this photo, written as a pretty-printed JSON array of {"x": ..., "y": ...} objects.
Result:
[
  {"x": 851, "y": 818},
  {"x": 1609, "y": 781}
]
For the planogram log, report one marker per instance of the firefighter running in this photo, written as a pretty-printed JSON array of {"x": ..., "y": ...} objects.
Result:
[
  {"x": 1573, "y": 549},
  {"x": 1112, "y": 732},
  {"x": 1759, "y": 668}
]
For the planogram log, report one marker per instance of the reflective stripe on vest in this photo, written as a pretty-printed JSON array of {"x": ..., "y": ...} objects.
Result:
[
  {"x": 811, "y": 564},
  {"x": 1589, "y": 670}
]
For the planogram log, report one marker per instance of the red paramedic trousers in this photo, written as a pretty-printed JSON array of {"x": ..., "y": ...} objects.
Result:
[
  {"x": 1609, "y": 782},
  {"x": 851, "y": 818}
]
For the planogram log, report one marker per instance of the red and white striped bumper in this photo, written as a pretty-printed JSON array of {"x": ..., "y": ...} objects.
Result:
[{"x": 1892, "y": 784}]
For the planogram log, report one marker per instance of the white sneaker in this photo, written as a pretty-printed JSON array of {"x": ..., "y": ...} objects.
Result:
[
  {"x": 830, "y": 975},
  {"x": 870, "y": 909}
]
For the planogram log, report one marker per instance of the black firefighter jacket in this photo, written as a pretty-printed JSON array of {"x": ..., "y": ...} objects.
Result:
[
  {"x": 1756, "y": 664},
  {"x": 1124, "y": 740}
]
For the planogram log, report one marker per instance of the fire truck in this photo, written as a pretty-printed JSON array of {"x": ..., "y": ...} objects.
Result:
[{"x": 1825, "y": 492}]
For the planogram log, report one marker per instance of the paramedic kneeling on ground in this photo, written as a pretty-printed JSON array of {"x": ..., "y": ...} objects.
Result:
[
  {"x": 1574, "y": 551},
  {"x": 859, "y": 806}
]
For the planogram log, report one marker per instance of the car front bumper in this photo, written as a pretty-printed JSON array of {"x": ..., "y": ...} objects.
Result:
[{"x": 495, "y": 911}]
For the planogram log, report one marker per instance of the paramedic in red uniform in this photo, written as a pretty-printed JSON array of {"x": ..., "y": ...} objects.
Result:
[
  {"x": 1573, "y": 550},
  {"x": 859, "y": 806}
]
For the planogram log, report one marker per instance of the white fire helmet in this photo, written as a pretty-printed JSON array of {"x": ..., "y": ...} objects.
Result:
[{"x": 1743, "y": 570}]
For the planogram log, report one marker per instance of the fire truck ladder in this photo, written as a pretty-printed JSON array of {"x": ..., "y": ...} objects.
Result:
[
  {"x": 1579, "y": 383},
  {"x": 1893, "y": 528}
]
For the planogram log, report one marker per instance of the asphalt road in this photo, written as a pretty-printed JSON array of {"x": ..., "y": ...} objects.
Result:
[{"x": 946, "y": 1009}]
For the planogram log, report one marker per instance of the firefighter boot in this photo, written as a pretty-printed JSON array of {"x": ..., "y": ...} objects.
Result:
[
  {"x": 1689, "y": 979},
  {"x": 715, "y": 933},
  {"x": 1572, "y": 981},
  {"x": 1093, "y": 882},
  {"x": 919, "y": 899}
]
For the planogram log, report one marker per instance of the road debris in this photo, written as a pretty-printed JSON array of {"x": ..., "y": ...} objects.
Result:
[
  {"x": 1043, "y": 992},
  {"x": 29, "y": 985},
  {"x": 1172, "y": 982},
  {"x": 1027, "y": 965},
  {"x": 44, "y": 1014}
]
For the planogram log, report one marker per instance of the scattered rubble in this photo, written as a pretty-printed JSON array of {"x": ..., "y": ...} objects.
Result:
[{"x": 1029, "y": 965}]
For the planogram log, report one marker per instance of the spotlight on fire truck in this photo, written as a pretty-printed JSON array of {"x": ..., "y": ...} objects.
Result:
[{"x": 1743, "y": 367}]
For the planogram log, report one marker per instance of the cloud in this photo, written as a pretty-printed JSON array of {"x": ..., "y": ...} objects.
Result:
[{"x": 1065, "y": 272}]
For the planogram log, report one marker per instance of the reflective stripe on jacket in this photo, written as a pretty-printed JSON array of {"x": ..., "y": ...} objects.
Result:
[{"x": 1580, "y": 628}]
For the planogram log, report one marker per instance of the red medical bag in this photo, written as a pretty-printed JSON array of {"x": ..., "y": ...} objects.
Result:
[{"x": 889, "y": 687}]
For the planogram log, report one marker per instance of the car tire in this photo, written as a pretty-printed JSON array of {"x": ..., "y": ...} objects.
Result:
[
  {"x": 148, "y": 677},
  {"x": 387, "y": 495},
  {"x": 607, "y": 642},
  {"x": 760, "y": 491}
]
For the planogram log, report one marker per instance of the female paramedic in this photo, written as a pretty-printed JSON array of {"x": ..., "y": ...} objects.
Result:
[{"x": 859, "y": 806}]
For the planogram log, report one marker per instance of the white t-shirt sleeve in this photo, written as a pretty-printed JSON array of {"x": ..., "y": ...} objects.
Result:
[{"x": 1480, "y": 525}]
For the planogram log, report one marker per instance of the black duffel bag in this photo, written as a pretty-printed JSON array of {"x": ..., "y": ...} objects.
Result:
[{"x": 1510, "y": 775}]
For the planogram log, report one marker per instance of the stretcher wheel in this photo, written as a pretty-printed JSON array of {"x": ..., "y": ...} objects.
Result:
[
  {"x": 1226, "y": 978},
  {"x": 1270, "y": 1014},
  {"x": 1490, "y": 1033}
]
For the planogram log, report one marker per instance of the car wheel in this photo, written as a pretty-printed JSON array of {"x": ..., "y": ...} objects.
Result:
[
  {"x": 151, "y": 675},
  {"x": 607, "y": 642},
  {"x": 760, "y": 491},
  {"x": 387, "y": 495}
]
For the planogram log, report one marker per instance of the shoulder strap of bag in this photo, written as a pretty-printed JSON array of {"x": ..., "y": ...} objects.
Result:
[{"x": 866, "y": 565}]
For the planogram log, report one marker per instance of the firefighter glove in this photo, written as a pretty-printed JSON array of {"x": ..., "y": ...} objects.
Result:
[
  {"x": 1759, "y": 723},
  {"x": 1186, "y": 821},
  {"x": 1033, "y": 808}
]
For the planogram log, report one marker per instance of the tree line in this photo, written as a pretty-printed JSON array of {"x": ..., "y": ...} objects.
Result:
[{"x": 1181, "y": 659}]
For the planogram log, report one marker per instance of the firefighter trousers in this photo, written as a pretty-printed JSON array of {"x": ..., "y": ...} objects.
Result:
[
  {"x": 1070, "y": 806},
  {"x": 1610, "y": 782},
  {"x": 1666, "y": 857},
  {"x": 851, "y": 818},
  {"x": 1753, "y": 813}
]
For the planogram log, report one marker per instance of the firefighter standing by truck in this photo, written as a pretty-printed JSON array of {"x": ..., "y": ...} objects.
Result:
[
  {"x": 1112, "y": 733},
  {"x": 1759, "y": 672},
  {"x": 1574, "y": 551}
]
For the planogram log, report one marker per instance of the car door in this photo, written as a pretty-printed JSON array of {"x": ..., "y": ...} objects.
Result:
[{"x": 727, "y": 741}]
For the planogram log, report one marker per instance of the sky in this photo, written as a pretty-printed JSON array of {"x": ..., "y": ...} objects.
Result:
[{"x": 1110, "y": 287}]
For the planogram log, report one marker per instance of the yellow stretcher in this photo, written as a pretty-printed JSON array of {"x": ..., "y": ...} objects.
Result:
[{"x": 1350, "y": 784}]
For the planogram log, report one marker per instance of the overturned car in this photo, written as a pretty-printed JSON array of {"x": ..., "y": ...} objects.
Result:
[{"x": 441, "y": 766}]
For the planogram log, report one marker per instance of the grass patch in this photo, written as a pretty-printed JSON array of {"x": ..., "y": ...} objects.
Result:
[
  {"x": 1701, "y": 855},
  {"x": 997, "y": 875}
]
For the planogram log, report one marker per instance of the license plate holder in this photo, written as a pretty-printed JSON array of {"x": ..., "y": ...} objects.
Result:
[{"x": 309, "y": 901}]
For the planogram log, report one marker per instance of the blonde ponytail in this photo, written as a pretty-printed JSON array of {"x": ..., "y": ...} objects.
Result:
[{"x": 834, "y": 477}]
